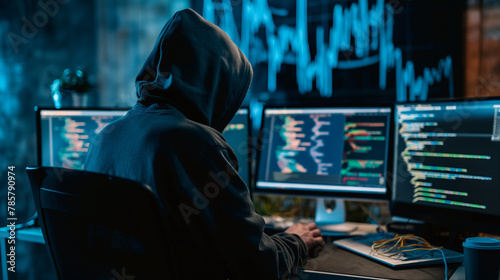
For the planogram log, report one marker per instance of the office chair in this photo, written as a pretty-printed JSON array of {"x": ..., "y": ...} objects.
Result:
[{"x": 101, "y": 227}]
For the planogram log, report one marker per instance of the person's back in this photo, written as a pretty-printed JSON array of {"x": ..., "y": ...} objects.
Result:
[{"x": 190, "y": 87}]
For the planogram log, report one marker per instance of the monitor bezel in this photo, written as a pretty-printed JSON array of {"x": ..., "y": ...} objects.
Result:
[
  {"x": 327, "y": 194},
  {"x": 441, "y": 216}
]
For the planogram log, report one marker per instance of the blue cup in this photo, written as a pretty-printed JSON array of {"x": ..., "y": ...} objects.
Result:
[{"x": 482, "y": 258}]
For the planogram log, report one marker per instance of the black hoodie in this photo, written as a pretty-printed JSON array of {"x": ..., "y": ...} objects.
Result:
[{"x": 189, "y": 88}]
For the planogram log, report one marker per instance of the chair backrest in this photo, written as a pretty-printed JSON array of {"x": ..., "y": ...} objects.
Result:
[{"x": 98, "y": 226}]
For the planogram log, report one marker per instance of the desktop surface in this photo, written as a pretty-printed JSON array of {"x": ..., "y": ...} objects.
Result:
[
  {"x": 339, "y": 263},
  {"x": 328, "y": 262}
]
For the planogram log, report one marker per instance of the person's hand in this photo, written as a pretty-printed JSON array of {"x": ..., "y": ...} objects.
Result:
[{"x": 309, "y": 233}]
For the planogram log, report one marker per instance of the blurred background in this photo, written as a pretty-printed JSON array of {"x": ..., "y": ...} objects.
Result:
[{"x": 386, "y": 51}]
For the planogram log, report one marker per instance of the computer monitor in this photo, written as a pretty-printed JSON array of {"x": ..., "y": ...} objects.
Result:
[
  {"x": 64, "y": 135},
  {"x": 325, "y": 152},
  {"x": 237, "y": 134},
  {"x": 447, "y": 163}
]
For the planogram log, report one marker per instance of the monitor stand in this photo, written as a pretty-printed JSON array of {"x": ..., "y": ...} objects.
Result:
[{"x": 331, "y": 220}]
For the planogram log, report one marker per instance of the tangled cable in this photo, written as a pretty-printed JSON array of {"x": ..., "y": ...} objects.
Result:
[
  {"x": 400, "y": 244},
  {"x": 406, "y": 243}
]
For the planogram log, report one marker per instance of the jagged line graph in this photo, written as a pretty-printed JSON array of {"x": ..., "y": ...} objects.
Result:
[{"x": 358, "y": 21}]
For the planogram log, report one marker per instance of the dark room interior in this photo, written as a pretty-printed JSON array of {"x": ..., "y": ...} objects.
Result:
[{"x": 374, "y": 69}]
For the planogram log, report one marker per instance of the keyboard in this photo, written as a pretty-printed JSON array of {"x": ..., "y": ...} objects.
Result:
[{"x": 363, "y": 245}]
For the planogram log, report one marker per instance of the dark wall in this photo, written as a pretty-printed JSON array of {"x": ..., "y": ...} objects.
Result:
[{"x": 39, "y": 39}]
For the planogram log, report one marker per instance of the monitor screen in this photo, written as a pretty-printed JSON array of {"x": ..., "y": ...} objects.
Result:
[
  {"x": 334, "y": 151},
  {"x": 237, "y": 134},
  {"x": 447, "y": 163},
  {"x": 383, "y": 50},
  {"x": 64, "y": 135}
]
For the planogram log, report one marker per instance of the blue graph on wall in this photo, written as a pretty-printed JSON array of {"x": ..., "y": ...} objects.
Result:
[{"x": 353, "y": 37}]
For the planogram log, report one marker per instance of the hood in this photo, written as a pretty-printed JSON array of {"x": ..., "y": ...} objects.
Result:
[{"x": 195, "y": 67}]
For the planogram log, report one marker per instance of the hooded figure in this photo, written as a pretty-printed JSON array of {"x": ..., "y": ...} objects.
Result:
[{"x": 189, "y": 88}]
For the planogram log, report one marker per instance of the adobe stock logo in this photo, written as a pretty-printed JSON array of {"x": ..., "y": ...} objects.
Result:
[{"x": 31, "y": 27}]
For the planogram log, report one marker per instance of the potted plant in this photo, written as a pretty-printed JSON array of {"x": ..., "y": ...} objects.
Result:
[{"x": 71, "y": 89}]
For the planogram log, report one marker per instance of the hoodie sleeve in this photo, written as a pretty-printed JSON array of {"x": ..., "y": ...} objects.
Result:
[{"x": 218, "y": 203}]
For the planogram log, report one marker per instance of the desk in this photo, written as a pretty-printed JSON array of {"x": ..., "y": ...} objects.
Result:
[
  {"x": 29, "y": 235},
  {"x": 336, "y": 263},
  {"x": 321, "y": 267}
]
